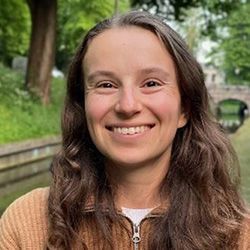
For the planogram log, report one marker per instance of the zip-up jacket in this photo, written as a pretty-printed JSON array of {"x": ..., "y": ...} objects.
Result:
[{"x": 24, "y": 225}]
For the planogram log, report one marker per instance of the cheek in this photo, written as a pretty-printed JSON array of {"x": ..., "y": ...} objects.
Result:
[
  {"x": 166, "y": 106},
  {"x": 95, "y": 107}
]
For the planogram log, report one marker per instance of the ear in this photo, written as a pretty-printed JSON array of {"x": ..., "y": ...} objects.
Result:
[{"x": 182, "y": 120}]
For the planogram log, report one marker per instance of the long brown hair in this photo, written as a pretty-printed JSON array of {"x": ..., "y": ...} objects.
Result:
[{"x": 205, "y": 208}]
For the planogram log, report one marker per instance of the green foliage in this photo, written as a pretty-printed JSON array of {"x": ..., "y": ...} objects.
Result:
[
  {"x": 22, "y": 115},
  {"x": 15, "y": 29},
  {"x": 174, "y": 9},
  {"x": 213, "y": 10},
  {"x": 236, "y": 46},
  {"x": 191, "y": 28},
  {"x": 75, "y": 17}
]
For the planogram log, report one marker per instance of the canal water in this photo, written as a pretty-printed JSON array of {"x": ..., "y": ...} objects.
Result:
[{"x": 231, "y": 115}]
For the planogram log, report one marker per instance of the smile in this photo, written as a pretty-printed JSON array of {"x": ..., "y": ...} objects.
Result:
[{"x": 130, "y": 130}]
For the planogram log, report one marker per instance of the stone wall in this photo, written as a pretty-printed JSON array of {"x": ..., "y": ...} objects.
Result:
[{"x": 24, "y": 160}]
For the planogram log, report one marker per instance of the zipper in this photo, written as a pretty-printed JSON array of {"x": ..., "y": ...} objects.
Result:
[{"x": 136, "y": 236}]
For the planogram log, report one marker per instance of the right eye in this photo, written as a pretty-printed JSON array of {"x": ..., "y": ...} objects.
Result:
[{"x": 105, "y": 85}]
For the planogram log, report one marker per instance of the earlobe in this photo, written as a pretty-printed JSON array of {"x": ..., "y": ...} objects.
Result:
[{"x": 182, "y": 120}]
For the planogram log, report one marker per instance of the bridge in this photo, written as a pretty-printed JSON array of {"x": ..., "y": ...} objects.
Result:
[{"x": 221, "y": 93}]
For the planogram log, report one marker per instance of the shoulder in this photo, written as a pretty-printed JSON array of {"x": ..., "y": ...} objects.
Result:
[
  {"x": 25, "y": 218},
  {"x": 34, "y": 202}
]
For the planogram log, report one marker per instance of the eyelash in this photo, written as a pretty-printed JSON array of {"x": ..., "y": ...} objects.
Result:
[
  {"x": 147, "y": 84},
  {"x": 105, "y": 85},
  {"x": 156, "y": 84}
]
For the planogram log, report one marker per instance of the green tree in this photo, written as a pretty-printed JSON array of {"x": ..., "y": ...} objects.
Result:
[
  {"x": 171, "y": 10},
  {"x": 213, "y": 10},
  {"x": 235, "y": 46},
  {"x": 42, "y": 47},
  {"x": 191, "y": 28},
  {"x": 75, "y": 17},
  {"x": 14, "y": 29}
]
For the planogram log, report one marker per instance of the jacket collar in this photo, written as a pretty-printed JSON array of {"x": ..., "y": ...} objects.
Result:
[{"x": 90, "y": 207}]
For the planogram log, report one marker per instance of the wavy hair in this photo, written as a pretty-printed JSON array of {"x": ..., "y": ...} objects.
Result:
[{"x": 205, "y": 211}]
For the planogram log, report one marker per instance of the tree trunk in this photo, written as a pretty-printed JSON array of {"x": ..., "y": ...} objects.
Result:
[{"x": 42, "y": 47}]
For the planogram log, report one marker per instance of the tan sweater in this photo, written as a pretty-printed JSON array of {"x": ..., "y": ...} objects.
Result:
[{"x": 24, "y": 225}]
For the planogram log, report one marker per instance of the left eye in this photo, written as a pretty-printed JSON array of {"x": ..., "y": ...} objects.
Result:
[{"x": 152, "y": 84}]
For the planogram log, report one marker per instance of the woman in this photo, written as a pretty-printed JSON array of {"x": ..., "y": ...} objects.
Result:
[{"x": 143, "y": 165}]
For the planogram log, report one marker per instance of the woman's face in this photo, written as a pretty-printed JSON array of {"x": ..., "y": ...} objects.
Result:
[{"x": 132, "y": 102}]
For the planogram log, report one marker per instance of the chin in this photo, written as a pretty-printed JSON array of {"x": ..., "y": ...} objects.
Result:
[{"x": 132, "y": 162}]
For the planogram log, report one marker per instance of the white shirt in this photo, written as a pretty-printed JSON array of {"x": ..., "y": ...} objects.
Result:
[{"x": 136, "y": 215}]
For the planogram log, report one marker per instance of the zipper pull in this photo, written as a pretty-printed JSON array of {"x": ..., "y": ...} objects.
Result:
[{"x": 136, "y": 236}]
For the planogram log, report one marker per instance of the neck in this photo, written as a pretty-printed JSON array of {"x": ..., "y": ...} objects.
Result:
[{"x": 138, "y": 187}]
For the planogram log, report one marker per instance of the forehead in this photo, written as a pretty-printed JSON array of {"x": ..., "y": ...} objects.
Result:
[
  {"x": 129, "y": 47},
  {"x": 127, "y": 35}
]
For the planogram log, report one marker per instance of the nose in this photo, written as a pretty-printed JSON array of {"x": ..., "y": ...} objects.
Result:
[{"x": 128, "y": 103}]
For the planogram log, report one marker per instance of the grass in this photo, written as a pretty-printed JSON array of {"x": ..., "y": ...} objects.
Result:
[
  {"x": 241, "y": 142},
  {"x": 22, "y": 115}
]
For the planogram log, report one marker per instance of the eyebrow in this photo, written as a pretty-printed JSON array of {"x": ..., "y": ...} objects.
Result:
[
  {"x": 155, "y": 70},
  {"x": 97, "y": 73},
  {"x": 107, "y": 73}
]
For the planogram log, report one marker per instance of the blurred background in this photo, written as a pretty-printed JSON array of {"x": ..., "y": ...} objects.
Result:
[{"x": 38, "y": 39}]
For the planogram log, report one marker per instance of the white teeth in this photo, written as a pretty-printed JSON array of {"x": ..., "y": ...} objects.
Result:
[
  {"x": 130, "y": 130},
  {"x": 124, "y": 131}
]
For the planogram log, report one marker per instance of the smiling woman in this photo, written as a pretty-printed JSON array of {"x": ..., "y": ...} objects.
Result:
[
  {"x": 124, "y": 123},
  {"x": 143, "y": 165}
]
